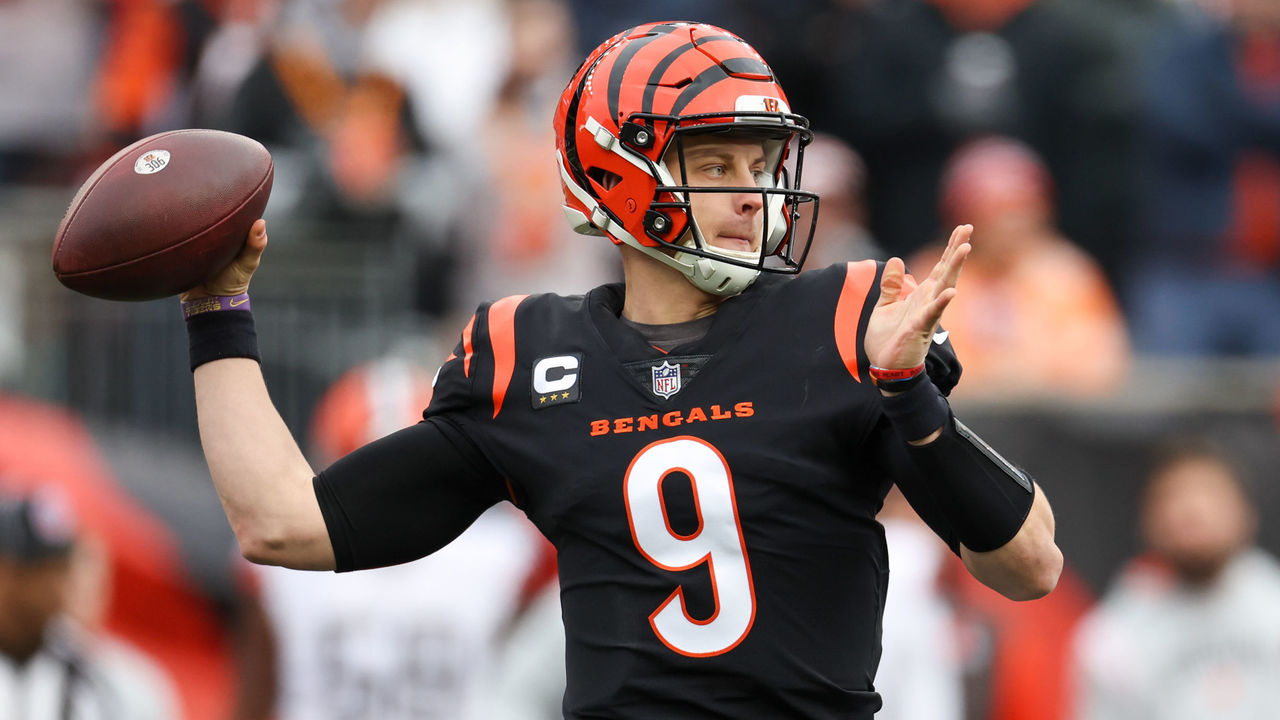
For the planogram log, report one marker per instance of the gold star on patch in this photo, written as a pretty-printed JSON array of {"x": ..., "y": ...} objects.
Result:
[
  {"x": 542, "y": 399},
  {"x": 564, "y": 396}
]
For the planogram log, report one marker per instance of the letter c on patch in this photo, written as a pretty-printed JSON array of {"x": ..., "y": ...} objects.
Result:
[{"x": 563, "y": 367}]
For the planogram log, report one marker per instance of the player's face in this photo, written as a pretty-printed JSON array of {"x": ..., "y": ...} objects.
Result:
[{"x": 729, "y": 220}]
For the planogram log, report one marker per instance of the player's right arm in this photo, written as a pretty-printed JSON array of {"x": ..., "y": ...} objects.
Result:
[
  {"x": 261, "y": 475},
  {"x": 394, "y": 500}
]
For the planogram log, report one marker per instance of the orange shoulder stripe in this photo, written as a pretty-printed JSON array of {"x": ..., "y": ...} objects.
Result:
[
  {"x": 502, "y": 337},
  {"x": 858, "y": 279},
  {"x": 467, "y": 350}
]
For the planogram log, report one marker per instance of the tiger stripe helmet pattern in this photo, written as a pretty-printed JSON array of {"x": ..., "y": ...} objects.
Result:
[{"x": 628, "y": 107}]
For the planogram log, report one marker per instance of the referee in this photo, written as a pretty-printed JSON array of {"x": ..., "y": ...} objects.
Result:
[{"x": 50, "y": 669}]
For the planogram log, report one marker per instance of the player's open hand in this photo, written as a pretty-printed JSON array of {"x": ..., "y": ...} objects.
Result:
[
  {"x": 234, "y": 278},
  {"x": 902, "y": 324}
]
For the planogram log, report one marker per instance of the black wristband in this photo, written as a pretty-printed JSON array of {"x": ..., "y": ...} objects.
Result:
[
  {"x": 217, "y": 335},
  {"x": 918, "y": 411},
  {"x": 984, "y": 497}
]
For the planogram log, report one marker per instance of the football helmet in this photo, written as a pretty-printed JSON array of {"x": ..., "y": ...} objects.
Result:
[{"x": 621, "y": 125}]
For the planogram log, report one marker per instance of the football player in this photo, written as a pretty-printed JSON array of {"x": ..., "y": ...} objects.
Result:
[{"x": 706, "y": 444}]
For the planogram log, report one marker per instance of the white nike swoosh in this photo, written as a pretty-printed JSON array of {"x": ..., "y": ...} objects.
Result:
[{"x": 941, "y": 336}]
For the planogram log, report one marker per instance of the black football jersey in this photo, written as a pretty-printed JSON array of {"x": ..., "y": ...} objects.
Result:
[{"x": 713, "y": 506}]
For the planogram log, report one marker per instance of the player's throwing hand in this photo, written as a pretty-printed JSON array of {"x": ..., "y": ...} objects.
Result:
[
  {"x": 902, "y": 325},
  {"x": 234, "y": 278}
]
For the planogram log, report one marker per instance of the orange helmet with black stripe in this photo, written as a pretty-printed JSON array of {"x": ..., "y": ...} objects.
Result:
[{"x": 623, "y": 118}]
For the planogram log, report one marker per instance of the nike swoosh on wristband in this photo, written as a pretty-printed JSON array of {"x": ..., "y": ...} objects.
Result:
[
  {"x": 941, "y": 336},
  {"x": 238, "y": 303}
]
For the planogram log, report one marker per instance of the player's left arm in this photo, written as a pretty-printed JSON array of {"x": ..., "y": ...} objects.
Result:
[
  {"x": 992, "y": 512},
  {"x": 1028, "y": 566},
  {"x": 1002, "y": 521}
]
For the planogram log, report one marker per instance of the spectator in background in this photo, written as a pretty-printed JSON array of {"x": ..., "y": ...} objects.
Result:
[
  {"x": 522, "y": 242},
  {"x": 1190, "y": 628},
  {"x": 145, "y": 585},
  {"x": 409, "y": 642},
  {"x": 342, "y": 130},
  {"x": 1037, "y": 315},
  {"x": 229, "y": 38},
  {"x": 915, "y": 79},
  {"x": 1209, "y": 277},
  {"x": 451, "y": 58},
  {"x": 355, "y": 137},
  {"x": 837, "y": 174},
  {"x": 46, "y": 71},
  {"x": 51, "y": 668},
  {"x": 139, "y": 69}
]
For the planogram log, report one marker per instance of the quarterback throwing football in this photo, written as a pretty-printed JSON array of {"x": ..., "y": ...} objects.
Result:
[{"x": 706, "y": 444}]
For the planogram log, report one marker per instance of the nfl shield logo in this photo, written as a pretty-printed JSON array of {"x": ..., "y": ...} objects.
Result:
[{"x": 666, "y": 379}]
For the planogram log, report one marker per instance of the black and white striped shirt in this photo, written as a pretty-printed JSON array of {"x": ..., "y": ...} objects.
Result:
[{"x": 63, "y": 681}]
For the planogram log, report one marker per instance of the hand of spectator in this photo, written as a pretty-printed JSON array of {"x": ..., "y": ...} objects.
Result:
[
  {"x": 234, "y": 278},
  {"x": 901, "y": 326}
]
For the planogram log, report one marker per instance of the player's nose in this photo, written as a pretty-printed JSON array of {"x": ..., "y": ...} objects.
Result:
[{"x": 749, "y": 203}]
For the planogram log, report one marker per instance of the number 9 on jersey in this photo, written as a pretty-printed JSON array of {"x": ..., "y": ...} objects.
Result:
[{"x": 717, "y": 542}]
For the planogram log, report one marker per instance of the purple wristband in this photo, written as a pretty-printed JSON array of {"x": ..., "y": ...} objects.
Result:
[{"x": 214, "y": 303}]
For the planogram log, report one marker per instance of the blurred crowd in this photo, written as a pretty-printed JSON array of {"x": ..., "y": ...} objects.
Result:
[
  {"x": 1144, "y": 136},
  {"x": 1119, "y": 159}
]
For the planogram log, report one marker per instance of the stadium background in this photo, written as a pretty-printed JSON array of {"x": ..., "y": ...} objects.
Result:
[{"x": 354, "y": 274}]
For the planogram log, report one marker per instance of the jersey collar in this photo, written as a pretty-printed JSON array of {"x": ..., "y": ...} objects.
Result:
[{"x": 731, "y": 321}]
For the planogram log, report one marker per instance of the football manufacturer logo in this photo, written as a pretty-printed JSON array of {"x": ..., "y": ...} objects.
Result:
[
  {"x": 151, "y": 162},
  {"x": 666, "y": 379}
]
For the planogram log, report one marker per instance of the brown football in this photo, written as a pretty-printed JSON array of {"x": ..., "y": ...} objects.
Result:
[{"x": 162, "y": 215}]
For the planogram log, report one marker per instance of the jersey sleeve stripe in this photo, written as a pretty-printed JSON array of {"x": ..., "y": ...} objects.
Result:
[
  {"x": 467, "y": 350},
  {"x": 502, "y": 337},
  {"x": 859, "y": 276}
]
